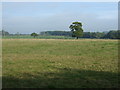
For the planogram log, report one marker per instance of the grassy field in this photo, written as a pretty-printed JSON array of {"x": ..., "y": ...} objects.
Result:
[
  {"x": 60, "y": 63},
  {"x": 38, "y": 37}
]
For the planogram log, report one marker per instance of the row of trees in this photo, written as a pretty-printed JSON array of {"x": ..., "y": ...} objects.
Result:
[
  {"x": 77, "y": 31},
  {"x": 99, "y": 35},
  {"x": 57, "y": 33}
]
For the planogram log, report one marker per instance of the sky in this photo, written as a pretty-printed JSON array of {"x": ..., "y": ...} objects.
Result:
[{"x": 28, "y": 17}]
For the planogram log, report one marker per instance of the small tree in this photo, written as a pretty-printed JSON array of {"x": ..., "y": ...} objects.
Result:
[
  {"x": 76, "y": 29},
  {"x": 34, "y": 34}
]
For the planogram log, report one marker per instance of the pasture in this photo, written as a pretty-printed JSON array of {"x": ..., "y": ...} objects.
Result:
[
  {"x": 59, "y": 63},
  {"x": 38, "y": 37}
]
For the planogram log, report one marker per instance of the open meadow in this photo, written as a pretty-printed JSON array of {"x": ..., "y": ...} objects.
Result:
[{"x": 59, "y": 63}]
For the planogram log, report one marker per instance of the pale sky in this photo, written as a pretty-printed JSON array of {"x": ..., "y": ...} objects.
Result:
[{"x": 28, "y": 17}]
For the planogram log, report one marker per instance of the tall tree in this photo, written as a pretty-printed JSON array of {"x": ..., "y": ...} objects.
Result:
[
  {"x": 34, "y": 34},
  {"x": 76, "y": 29}
]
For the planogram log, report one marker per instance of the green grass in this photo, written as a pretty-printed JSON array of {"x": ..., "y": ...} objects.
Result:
[
  {"x": 38, "y": 37},
  {"x": 60, "y": 63}
]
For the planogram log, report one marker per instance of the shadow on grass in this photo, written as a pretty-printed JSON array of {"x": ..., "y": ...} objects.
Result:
[{"x": 65, "y": 78}]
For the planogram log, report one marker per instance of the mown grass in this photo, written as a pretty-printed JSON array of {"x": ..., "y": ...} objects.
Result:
[{"x": 54, "y": 63}]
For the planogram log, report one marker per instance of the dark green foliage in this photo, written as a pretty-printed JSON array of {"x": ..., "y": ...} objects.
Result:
[
  {"x": 34, "y": 34},
  {"x": 118, "y": 34},
  {"x": 113, "y": 35},
  {"x": 97, "y": 35},
  {"x": 76, "y": 29},
  {"x": 56, "y": 33},
  {"x": 102, "y": 35}
]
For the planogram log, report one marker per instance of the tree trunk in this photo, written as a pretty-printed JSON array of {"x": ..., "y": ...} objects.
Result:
[{"x": 76, "y": 37}]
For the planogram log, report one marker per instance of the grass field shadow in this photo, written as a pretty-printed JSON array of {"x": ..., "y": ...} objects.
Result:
[{"x": 65, "y": 78}]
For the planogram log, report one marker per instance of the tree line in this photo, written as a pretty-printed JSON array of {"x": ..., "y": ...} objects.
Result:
[
  {"x": 76, "y": 31},
  {"x": 113, "y": 34}
]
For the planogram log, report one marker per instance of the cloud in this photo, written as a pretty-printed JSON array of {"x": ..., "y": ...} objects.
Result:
[
  {"x": 111, "y": 14},
  {"x": 60, "y": 0},
  {"x": 59, "y": 21},
  {"x": 52, "y": 16}
]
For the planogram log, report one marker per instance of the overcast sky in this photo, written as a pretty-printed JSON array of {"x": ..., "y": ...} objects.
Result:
[{"x": 28, "y": 17}]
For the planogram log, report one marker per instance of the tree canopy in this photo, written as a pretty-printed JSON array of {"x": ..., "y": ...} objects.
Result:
[
  {"x": 34, "y": 34},
  {"x": 76, "y": 29}
]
